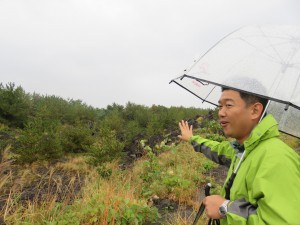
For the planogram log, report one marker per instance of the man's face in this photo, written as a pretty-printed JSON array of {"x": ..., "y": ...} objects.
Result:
[{"x": 234, "y": 115}]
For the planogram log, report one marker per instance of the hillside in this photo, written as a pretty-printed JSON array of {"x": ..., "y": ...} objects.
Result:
[
  {"x": 63, "y": 162},
  {"x": 159, "y": 175}
]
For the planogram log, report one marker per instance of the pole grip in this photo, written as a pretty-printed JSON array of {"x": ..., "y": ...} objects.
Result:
[{"x": 207, "y": 189}]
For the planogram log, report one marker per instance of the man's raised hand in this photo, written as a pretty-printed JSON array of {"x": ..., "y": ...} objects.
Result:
[{"x": 186, "y": 130}]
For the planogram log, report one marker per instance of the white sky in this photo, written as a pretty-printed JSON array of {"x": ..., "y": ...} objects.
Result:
[{"x": 109, "y": 51}]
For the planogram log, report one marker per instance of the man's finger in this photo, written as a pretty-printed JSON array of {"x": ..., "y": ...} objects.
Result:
[{"x": 182, "y": 125}]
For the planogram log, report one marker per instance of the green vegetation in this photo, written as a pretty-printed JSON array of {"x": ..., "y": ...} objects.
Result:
[
  {"x": 14, "y": 105},
  {"x": 48, "y": 144},
  {"x": 110, "y": 195},
  {"x": 60, "y": 161},
  {"x": 175, "y": 173},
  {"x": 47, "y": 127}
]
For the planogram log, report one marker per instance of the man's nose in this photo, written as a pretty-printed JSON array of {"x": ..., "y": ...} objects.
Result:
[{"x": 222, "y": 112}]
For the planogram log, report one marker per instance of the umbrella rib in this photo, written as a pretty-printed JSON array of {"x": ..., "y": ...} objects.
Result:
[
  {"x": 263, "y": 52},
  {"x": 272, "y": 58},
  {"x": 284, "y": 68},
  {"x": 291, "y": 55},
  {"x": 237, "y": 89},
  {"x": 196, "y": 61},
  {"x": 204, "y": 100},
  {"x": 267, "y": 38},
  {"x": 272, "y": 46}
]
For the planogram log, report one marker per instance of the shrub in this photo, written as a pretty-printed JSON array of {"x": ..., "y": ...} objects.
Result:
[
  {"x": 104, "y": 172},
  {"x": 14, "y": 105},
  {"x": 114, "y": 121},
  {"x": 38, "y": 141},
  {"x": 212, "y": 126},
  {"x": 131, "y": 131},
  {"x": 116, "y": 210},
  {"x": 76, "y": 139},
  {"x": 215, "y": 137},
  {"x": 106, "y": 148}
]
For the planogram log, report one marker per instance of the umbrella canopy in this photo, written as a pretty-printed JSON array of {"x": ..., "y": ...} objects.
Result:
[{"x": 261, "y": 60}]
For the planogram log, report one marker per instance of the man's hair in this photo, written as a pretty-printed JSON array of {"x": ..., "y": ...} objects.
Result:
[{"x": 250, "y": 99}]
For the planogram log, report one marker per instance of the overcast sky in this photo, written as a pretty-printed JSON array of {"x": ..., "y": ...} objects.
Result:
[{"x": 106, "y": 51}]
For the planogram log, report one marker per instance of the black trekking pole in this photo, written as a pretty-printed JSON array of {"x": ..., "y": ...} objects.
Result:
[
  {"x": 202, "y": 206},
  {"x": 211, "y": 221}
]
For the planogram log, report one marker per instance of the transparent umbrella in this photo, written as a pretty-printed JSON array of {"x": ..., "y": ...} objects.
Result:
[{"x": 262, "y": 60}]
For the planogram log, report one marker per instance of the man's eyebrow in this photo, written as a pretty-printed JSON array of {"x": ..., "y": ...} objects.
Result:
[{"x": 225, "y": 99}]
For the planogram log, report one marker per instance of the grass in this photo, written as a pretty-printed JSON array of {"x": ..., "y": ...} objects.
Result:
[
  {"x": 74, "y": 192},
  {"x": 107, "y": 195}
]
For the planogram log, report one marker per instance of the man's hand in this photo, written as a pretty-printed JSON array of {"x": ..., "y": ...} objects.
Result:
[
  {"x": 186, "y": 131},
  {"x": 212, "y": 204}
]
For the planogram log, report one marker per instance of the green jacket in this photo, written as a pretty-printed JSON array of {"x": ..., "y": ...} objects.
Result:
[{"x": 266, "y": 189}]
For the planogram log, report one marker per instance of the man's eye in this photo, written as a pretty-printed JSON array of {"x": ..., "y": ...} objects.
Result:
[{"x": 228, "y": 105}]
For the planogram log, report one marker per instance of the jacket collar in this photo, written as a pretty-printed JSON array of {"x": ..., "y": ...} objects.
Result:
[{"x": 267, "y": 128}]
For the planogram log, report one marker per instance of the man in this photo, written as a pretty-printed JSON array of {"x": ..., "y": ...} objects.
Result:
[{"x": 266, "y": 189}]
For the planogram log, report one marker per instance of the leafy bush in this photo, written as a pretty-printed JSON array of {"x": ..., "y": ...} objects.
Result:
[
  {"x": 208, "y": 165},
  {"x": 212, "y": 126},
  {"x": 76, "y": 139},
  {"x": 104, "y": 172},
  {"x": 106, "y": 148},
  {"x": 215, "y": 137},
  {"x": 172, "y": 181},
  {"x": 14, "y": 105},
  {"x": 114, "y": 121},
  {"x": 6, "y": 137},
  {"x": 174, "y": 174},
  {"x": 119, "y": 211},
  {"x": 38, "y": 141},
  {"x": 66, "y": 111},
  {"x": 151, "y": 166},
  {"x": 132, "y": 130}
]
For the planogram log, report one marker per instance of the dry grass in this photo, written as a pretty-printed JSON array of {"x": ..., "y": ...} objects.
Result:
[
  {"x": 31, "y": 191},
  {"x": 109, "y": 193},
  {"x": 58, "y": 196},
  {"x": 74, "y": 164},
  {"x": 100, "y": 201},
  {"x": 5, "y": 180}
]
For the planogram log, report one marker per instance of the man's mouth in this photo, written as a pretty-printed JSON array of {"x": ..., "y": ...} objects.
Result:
[{"x": 224, "y": 123}]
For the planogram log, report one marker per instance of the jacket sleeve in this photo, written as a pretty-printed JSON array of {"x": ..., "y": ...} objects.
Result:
[
  {"x": 241, "y": 212},
  {"x": 274, "y": 192},
  {"x": 219, "y": 152}
]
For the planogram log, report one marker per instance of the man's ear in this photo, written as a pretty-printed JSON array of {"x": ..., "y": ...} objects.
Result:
[{"x": 257, "y": 110}]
